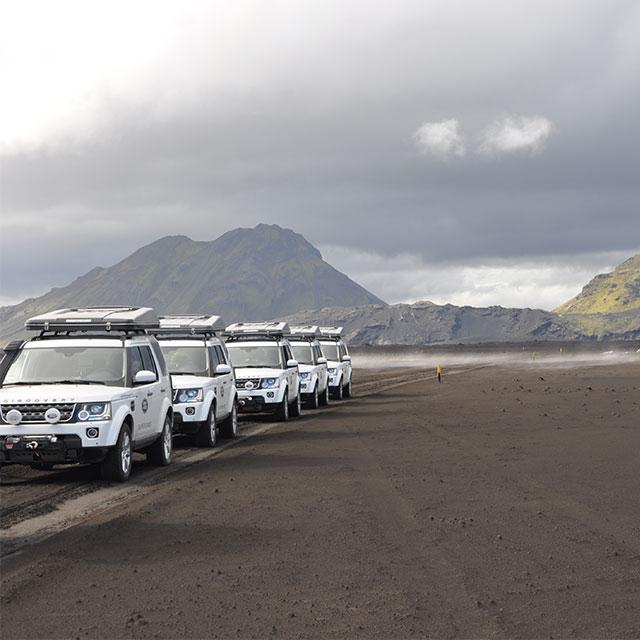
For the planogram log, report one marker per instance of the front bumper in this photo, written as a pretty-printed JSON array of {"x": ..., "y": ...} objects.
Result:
[
  {"x": 187, "y": 414},
  {"x": 27, "y": 449},
  {"x": 259, "y": 400}
]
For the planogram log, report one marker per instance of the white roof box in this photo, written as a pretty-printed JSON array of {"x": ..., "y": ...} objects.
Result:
[
  {"x": 305, "y": 331},
  {"x": 95, "y": 319},
  {"x": 191, "y": 324},
  {"x": 331, "y": 332},
  {"x": 258, "y": 328}
]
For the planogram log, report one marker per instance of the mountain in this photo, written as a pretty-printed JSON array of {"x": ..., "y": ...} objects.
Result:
[
  {"x": 245, "y": 274},
  {"x": 427, "y": 323},
  {"x": 609, "y": 292}
]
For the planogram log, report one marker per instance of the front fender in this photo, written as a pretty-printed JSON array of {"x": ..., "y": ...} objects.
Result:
[{"x": 117, "y": 421}]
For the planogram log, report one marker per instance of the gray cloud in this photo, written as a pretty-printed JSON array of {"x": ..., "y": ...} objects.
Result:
[{"x": 304, "y": 117}]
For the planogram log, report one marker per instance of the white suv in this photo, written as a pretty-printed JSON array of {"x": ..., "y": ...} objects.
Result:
[
  {"x": 91, "y": 387},
  {"x": 204, "y": 390},
  {"x": 338, "y": 361},
  {"x": 266, "y": 371},
  {"x": 314, "y": 377}
]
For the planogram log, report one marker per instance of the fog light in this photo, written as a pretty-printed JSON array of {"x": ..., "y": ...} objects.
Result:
[
  {"x": 190, "y": 411},
  {"x": 269, "y": 394},
  {"x": 92, "y": 432}
]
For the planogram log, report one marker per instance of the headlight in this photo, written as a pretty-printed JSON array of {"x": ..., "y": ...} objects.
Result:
[
  {"x": 189, "y": 395},
  {"x": 304, "y": 375},
  {"x": 332, "y": 371},
  {"x": 270, "y": 383},
  {"x": 94, "y": 411}
]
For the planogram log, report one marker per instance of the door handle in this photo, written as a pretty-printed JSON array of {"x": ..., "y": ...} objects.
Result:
[{"x": 149, "y": 394}]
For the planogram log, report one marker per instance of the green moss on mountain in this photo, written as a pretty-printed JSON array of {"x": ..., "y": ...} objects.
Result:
[{"x": 613, "y": 292}]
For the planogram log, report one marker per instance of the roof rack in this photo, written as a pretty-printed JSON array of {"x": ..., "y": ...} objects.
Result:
[
  {"x": 94, "y": 319},
  {"x": 258, "y": 329},
  {"x": 189, "y": 324},
  {"x": 305, "y": 331},
  {"x": 331, "y": 332}
]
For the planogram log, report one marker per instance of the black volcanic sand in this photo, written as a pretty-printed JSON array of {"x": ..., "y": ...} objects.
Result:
[{"x": 502, "y": 503}]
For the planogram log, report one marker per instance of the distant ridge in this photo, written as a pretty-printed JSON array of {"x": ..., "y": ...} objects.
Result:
[
  {"x": 609, "y": 292},
  {"x": 245, "y": 274}
]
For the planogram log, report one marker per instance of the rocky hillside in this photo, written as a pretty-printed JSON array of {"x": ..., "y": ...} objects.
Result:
[
  {"x": 427, "y": 323},
  {"x": 609, "y": 292},
  {"x": 246, "y": 274}
]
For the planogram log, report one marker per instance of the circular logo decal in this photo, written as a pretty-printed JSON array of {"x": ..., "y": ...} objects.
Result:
[
  {"x": 248, "y": 384},
  {"x": 52, "y": 415},
  {"x": 13, "y": 417},
  {"x": 145, "y": 406}
]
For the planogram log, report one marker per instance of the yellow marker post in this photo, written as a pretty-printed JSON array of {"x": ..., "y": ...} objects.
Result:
[{"x": 439, "y": 372}]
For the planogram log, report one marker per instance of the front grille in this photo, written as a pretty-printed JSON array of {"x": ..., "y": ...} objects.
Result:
[
  {"x": 35, "y": 412},
  {"x": 240, "y": 384}
]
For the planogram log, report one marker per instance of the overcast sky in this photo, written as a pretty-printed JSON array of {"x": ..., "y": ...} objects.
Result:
[{"x": 472, "y": 152}]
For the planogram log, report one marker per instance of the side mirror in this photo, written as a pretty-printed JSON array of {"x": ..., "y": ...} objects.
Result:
[
  {"x": 291, "y": 364},
  {"x": 322, "y": 360},
  {"x": 346, "y": 358},
  {"x": 223, "y": 369},
  {"x": 144, "y": 377}
]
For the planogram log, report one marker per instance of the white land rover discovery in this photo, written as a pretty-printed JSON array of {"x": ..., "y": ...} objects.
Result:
[
  {"x": 314, "y": 377},
  {"x": 338, "y": 361},
  {"x": 266, "y": 371},
  {"x": 204, "y": 389},
  {"x": 91, "y": 387}
]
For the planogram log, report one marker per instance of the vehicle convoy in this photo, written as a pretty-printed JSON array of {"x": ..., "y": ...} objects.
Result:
[
  {"x": 92, "y": 386},
  {"x": 338, "y": 362},
  {"x": 204, "y": 390},
  {"x": 267, "y": 376},
  {"x": 314, "y": 377}
]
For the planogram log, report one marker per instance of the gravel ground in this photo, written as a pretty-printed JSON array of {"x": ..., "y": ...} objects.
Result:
[{"x": 502, "y": 503}]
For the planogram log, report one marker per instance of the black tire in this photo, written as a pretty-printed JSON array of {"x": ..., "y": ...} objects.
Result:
[
  {"x": 324, "y": 397},
  {"x": 159, "y": 453},
  {"x": 347, "y": 390},
  {"x": 229, "y": 426},
  {"x": 295, "y": 409},
  {"x": 314, "y": 400},
  {"x": 118, "y": 462},
  {"x": 337, "y": 394},
  {"x": 282, "y": 413},
  {"x": 208, "y": 432}
]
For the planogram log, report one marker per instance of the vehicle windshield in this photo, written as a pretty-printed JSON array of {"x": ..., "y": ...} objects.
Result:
[
  {"x": 186, "y": 360},
  {"x": 247, "y": 355},
  {"x": 82, "y": 365},
  {"x": 302, "y": 352},
  {"x": 330, "y": 350}
]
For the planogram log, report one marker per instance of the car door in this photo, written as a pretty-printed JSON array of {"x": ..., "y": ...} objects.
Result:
[
  {"x": 322, "y": 368},
  {"x": 152, "y": 393},
  {"x": 227, "y": 382},
  {"x": 292, "y": 373}
]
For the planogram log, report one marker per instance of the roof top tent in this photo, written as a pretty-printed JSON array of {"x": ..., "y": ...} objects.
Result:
[
  {"x": 335, "y": 333},
  {"x": 95, "y": 319},
  {"x": 306, "y": 332},
  {"x": 270, "y": 330},
  {"x": 180, "y": 325}
]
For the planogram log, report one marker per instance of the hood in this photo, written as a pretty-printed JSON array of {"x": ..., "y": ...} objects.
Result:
[
  {"x": 243, "y": 373},
  {"x": 67, "y": 393},
  {"x": 332, "y": 364},
  {"x": 188, "y": 382}
]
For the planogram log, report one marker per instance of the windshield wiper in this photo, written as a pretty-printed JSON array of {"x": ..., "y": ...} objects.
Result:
[
  {"x": 184, "y": 373},
  {"x": 77, "y": 382}
]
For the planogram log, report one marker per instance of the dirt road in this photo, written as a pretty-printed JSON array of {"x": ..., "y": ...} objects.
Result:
[{"x": 501, "y": 503}]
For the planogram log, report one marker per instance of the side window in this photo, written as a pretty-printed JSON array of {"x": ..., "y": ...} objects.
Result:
[
  {"x": 213, "y": 359},
  {"x": 147, "y": 360},
  {"x": 135, "y": 362},
  {"x": 155, "y": 345},
  {"x": 221, "y": 356}
]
